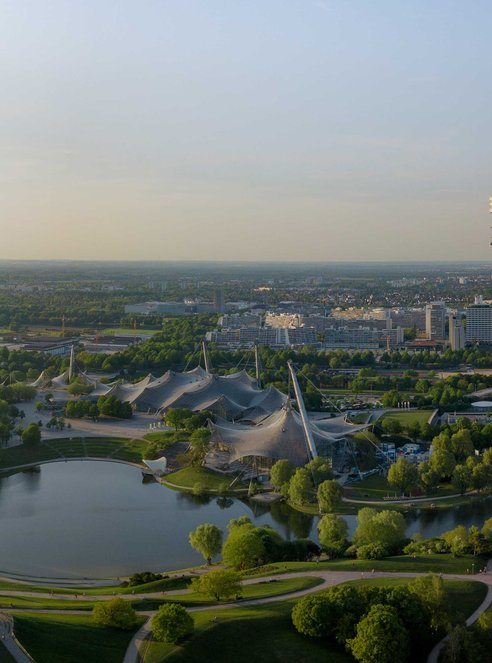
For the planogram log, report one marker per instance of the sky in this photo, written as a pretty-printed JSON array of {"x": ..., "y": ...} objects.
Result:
[{"x": 319, "y": 130}]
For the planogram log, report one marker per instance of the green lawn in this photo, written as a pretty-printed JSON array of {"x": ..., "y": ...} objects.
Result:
[
  {"x": 263, "y": 634},
  {"x": 400, "y": 563},
  {"x": 255, "y": 591},
  {"x": 97, "y": 447},
  {"x": 407, "y": 417},
  {"x": 189, "y": 476},
  {"x": 69, "y": 639}
]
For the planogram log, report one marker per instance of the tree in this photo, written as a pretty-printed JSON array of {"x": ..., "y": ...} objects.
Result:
[
  {"x": 403, "y": 475},
  {"x": 301, "y": 487},
  {"x": 481, "y": 476},
  {"x": 315, "y": 615},
  {"x": 443, "y": 462},
  {"x": 219, "y": 584},
  {"x": 332, "y": 534},
  {"x": 31, "y": 434},
  {"x": 330, "y": 495},
  {"x": 116, "y": 613},
  {"x": 428, "y": 477},
  {"x": 79, "y": 388},
  {"x": 281, "y": 473},
  {"x": 320, "y": 469},
  {"x": 462, "y": 445},
  {"x": 462, "y": 478},
  {"x": 383, "y": 528},
  {"x": 381, "y": 637},
  {"x": 171, "y": 623},
  {"x": 391, "y": 426},
  {"x": 207, "y": 540},
  {"x": 457, "y": 539},
  {"x": 177, "y": 416},
  {"x": 244, "y": 548},
  {"x": 487, "y": 529},
  {"x": 430, "y": 591},
  {"x": 200, "y": 445}
]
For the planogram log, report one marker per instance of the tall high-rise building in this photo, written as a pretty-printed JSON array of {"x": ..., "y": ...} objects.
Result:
[
  {"x": 219, "y": 303},
  {"x": 456, "y": 332},
  {"x": 435, "y": 320},
  {"x": 479, "y": 322}
]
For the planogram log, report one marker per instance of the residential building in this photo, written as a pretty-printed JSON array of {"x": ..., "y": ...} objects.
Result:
[
  {"x": 456, "y": 332},
  {"x": 479, "y": 322},
  {"x": 435, "y": 320}
]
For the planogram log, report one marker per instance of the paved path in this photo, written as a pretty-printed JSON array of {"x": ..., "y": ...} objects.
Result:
[
  {"x": 411, "y": 500},
  {"x": 330, "y": 578},
  {"x": 10, "y": 642}
]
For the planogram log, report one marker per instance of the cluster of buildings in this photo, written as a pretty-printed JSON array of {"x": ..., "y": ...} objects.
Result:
[
  {"x": 359, "y": 329},
  {"x": 185, "y": 307},
  {"x": 472, "y": 326}
]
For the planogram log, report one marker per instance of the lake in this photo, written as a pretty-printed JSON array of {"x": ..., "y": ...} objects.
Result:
[{"x": 100, "y": 519}]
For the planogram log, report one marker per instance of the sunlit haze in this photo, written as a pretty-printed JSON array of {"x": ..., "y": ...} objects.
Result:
[{"x": 260, "y": 130}]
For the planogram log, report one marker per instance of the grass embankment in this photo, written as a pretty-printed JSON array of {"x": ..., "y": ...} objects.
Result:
[
  {"x": 262, "y": 634},
  {"x": 398, "y": 564},
  {"x": 83, "y": 602},
  {"x": 70, "y": 638},
  {"x": 265, "y": 633},
  {"x": 78, "y": 447},
  {"x": 164, "y": 585},
  {"x": 187, "y": 477},
  {"x": 376, "y": 487}
]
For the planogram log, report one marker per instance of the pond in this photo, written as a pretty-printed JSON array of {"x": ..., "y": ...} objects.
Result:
[{"x": 100, "y": 519}]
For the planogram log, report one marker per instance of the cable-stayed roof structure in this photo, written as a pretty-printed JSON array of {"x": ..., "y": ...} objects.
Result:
[{"x": 280, "y": 435}]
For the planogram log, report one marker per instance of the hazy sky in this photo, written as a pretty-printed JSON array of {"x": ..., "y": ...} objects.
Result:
[{"x": 245, "y": 129}]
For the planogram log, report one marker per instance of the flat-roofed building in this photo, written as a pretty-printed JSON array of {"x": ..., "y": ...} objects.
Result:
[
  {"x": 456, "y": 332},
  {"x": 479, "y": 322},
  {"x": 435, "y": 320}
]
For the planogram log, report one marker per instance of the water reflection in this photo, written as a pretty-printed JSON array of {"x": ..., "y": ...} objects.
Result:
[
  {"x": 100, "y": 519},
  {"x": 297, "y": 525},
  {"x": 224, "y": 502}
]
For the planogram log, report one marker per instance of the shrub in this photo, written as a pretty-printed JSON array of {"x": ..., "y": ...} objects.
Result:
[
  {"x": 372, "y": 551},
  {"x": 171, "y": 623},
  {"x": 116, "y": 613}
]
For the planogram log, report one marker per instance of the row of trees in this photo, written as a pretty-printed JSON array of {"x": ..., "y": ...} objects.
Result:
[
  {"x": 248, "y": 546},
  {"x": 108, "y": 406},
  {"x": 378, "y": 623},
  {"x": 382, "y": 533}
]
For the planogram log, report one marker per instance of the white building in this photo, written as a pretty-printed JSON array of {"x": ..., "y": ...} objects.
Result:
[{"x": 479, "y": 322}]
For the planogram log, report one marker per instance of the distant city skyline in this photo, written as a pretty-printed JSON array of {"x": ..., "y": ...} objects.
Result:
[{"x": 273, "y": 130}]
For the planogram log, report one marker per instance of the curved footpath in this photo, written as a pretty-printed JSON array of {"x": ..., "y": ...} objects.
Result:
[
  {"x": 329, "y": 579},
  {"x": 412, "y": 500},
  {"x": 10, "y": 642}
]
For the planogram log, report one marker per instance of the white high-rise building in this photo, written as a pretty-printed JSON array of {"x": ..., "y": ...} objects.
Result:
[
  {"x": 479, "y": 322},
  {"x": 456, "y": 332},
  {"x": 435, "y": 320}
]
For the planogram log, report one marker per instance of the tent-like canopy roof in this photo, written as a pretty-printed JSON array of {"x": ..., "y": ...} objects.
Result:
[{"x": 281, "y": 435}]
